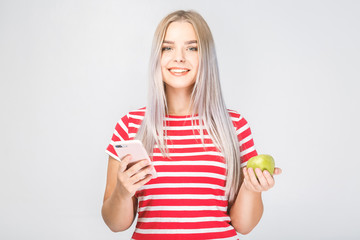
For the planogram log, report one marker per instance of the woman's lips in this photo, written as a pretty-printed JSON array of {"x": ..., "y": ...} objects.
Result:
[{"x": 179, "y": 71}]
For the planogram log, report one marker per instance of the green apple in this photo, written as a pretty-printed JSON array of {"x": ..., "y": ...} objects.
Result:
[{"x": 262, "y": 161}]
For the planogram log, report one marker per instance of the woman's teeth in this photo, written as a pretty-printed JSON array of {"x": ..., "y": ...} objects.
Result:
[{"x": 179, "y": 70}]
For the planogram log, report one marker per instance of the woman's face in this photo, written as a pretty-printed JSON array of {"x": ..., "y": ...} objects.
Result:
[{"x": 180, "y": 57}]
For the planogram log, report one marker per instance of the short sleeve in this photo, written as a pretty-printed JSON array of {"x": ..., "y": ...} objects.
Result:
[
  {"x": 121, "y": 133},
  {"x": 246, "y": 142}
]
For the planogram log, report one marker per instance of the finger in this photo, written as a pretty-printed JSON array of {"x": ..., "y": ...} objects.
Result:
[
  {"x": 262, "y": 179},
  {"x": 140, "y": 175},
  {"x": 277, "y": 171},
  {"x": 143, "y": 182},
  {"x": 246, "y": 175},
  {"x": 269, "y": 179},
  {"x": 254, "y": 182},
  {"x": 124, "y": 162},
  {"x": 247, "y": 179},
  {"x": 136, "y": 167}
]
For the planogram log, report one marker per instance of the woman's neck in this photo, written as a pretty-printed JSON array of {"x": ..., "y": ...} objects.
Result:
[{"x": 178, "y": 101}]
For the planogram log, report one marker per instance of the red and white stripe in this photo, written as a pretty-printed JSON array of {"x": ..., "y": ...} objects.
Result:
[{"x": 187, "y": 200}]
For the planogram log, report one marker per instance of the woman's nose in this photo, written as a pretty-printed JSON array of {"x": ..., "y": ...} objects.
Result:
[{"x": 179, "y": 56}]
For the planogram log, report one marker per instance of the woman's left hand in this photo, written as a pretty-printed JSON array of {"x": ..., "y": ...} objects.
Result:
[{"x": 264, "y": 181}]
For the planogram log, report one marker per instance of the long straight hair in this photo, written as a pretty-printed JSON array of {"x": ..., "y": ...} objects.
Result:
[{"x": 206, "y": 100}]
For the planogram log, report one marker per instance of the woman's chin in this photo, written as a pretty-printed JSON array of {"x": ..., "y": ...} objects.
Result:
[{"x": 179, "y": 86}]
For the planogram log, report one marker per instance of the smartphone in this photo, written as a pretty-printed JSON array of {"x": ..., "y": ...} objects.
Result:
[{"x": 137, "y": 151}]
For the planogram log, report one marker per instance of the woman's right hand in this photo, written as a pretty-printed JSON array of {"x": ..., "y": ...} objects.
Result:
[{"x": 131, "y": 178}]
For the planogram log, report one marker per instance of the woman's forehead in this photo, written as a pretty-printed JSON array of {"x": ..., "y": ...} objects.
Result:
[{"x": 182, "y": 32}]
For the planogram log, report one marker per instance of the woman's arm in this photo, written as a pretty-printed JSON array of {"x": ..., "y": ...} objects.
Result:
[
  {"x": 248, "y": 207},
  {"x": 120, "y": 205}
]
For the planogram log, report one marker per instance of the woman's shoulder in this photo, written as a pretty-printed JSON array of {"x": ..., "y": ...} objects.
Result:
[
  {"x": 133, "y": 116},
  {"x": 137, "y": 113},
  {"x": 237, "y": 118},
  {"x": 234, "y": 115}
]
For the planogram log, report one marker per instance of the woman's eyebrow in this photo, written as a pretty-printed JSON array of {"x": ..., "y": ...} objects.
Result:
[
  {"x": 190, "y": 42},
  {"x": 187, "y": 42}
]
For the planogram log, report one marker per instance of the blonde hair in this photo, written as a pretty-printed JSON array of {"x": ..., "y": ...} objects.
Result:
[{"x": 206, "y": 100}]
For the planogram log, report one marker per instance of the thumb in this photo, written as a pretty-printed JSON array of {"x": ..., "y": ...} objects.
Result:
[
  {"x": 277, "y": 171},
  {"x": 124, "y": 162}
]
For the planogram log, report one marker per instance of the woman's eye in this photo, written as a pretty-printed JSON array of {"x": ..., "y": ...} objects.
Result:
[
  {"x": 193, "y": 48},
  {"x": 166, "y": 48}
]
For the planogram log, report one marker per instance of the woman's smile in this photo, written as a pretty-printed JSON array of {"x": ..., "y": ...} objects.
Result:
[{"x": 178, "y": 72}]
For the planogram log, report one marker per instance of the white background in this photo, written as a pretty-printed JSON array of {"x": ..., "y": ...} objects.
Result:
[{"x": 70, "y": 69}]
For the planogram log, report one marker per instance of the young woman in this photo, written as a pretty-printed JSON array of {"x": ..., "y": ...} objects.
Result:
[{"x": 199, "y": 148}]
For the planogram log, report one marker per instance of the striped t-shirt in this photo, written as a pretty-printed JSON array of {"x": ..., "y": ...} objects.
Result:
[{"x": 187, "y": 200}]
